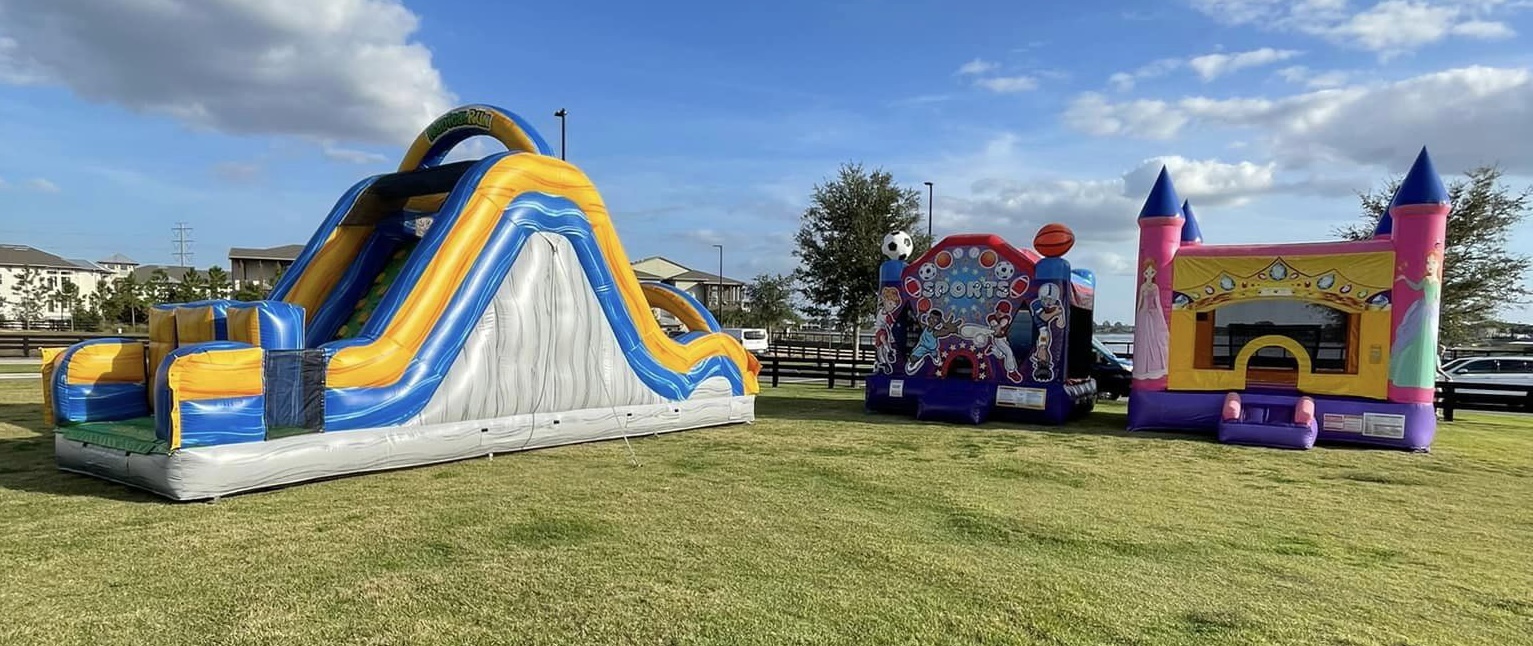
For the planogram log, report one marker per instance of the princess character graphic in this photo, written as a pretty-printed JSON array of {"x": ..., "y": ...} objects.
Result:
[
  {"x": 1413, "y": 357},
  {"x": 1151, "y": 338}
]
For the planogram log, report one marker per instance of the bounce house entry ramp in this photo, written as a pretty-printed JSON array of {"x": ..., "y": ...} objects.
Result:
[
  {"x": 131, "y": 435},
  {"x": 380, "y": 286}
]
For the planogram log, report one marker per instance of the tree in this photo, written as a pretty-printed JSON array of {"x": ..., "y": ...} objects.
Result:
[
  {"x": 771, "y": 299},
  {"x": 250, "y": 291},
  {"x": 66, "y": 297},
  {"x": 32, "y": 296},
  {"x": 121, "y": 300},
  {"x": 193, "y": 287},
  {"x": 1481, "y": 277},
  {"x": 839, "y": 240},
  {"x": 158, "y": 289},
  {"x": 217, "y": 284}
]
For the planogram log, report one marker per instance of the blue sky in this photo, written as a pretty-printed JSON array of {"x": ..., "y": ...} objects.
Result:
[{"x": 707, "y": 122}]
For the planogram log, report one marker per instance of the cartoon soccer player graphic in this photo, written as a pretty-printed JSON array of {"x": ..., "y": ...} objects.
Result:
[
  {"x": 990, "y": 338},
  {"x": 936, "y": 325},
  {"x": 885, "y": 355},
  {"x": 1048, "y": 314}
]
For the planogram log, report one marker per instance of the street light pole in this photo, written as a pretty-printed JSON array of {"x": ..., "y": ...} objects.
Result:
[
  {"x": 561, "y": 113},
  {"x": 928, "y": 209},
  {"x": 721, "y": 278}
]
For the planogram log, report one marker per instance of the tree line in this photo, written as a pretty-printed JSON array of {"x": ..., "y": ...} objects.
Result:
[{"x": 123, "y": 300}]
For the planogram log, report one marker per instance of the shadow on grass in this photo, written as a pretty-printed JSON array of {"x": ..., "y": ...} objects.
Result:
[
  {"x": 847, "y": 406},
  {"x": 26, "y": 463}
]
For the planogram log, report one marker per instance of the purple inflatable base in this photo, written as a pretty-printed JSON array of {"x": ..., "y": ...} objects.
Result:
[
  {"x": 1277, "y": 436},
  {"x": 975, "y": 402},
  {"x": 1340, "y": 420}
]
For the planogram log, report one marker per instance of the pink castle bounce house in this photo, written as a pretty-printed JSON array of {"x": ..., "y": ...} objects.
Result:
[{"x": 1283, "y": 344}]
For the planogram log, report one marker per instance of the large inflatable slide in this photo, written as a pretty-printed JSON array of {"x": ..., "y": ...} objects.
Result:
[{"x": 444, "y": 311}]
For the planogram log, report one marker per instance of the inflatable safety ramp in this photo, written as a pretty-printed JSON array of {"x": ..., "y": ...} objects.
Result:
[{"x": 440, "y": 312}]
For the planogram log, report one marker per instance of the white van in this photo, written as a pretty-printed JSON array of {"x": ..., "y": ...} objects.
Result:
[{"x": 753, "y": 338}]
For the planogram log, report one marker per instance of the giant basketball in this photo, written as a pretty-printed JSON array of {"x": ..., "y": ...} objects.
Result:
[{"x": 1054, "y": 240}]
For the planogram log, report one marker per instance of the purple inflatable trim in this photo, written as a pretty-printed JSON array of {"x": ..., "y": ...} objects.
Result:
[{"x": 1342, "y": 420}]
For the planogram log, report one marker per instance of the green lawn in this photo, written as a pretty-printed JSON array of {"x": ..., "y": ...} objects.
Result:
[
  {"x": 11, "y": 368},
  {"x": 817, "y": 525}
]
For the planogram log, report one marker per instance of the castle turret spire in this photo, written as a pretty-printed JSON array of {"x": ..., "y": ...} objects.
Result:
[
  {"x": 1191, "y": 233},
  {"x": 1163, "y": 201}
]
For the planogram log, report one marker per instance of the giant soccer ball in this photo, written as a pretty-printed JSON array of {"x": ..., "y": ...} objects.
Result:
[{"x": 898, "y": 245}]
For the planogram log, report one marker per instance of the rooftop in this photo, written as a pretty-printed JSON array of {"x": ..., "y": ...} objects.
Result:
[
  {"x": 20, "y": 255},
  {"x": 283, "y": 252}
]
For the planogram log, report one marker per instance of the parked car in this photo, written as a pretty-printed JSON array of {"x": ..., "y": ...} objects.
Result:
[
  {"x": 1114, "y": 374},
  {"x": 753, "y": 338},
  {"x": 1508, "y": 370}
]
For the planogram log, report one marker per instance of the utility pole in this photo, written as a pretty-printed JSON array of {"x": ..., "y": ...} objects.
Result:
[{"x": 183, "y": 250}]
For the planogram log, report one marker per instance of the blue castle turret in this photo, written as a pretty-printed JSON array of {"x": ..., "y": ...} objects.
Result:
[{"x": 1192, "y": 234}]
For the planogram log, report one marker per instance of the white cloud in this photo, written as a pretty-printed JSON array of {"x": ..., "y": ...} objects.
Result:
[
  {"x": 41, "y": 185},
  {"x": 977, "y": 66},
  {"x": 1124, "y": 81},
  {"x": 325, "y": 69},
  {"x": 1212, "y": 66},
  {"x": 987, "y": 194},
  {"x": 477, "y": 147},
  {"x": 349, "y": 155},
  {"x": 1388, "y": 27},
  {"x": 1092, "y": 114},
  {"x": 1466, "y": 116},
  {"x": 1008, "y": 84},
  {"x": 1302, "y": 75}
]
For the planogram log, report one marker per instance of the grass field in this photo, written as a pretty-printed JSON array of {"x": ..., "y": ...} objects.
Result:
[
  {"x": 9, "y": 368},
  {"x": 818, "y": 525}
]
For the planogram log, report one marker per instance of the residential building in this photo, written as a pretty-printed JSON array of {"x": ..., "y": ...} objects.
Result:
[
  {"x": 173, "y": 274},
  {"x": 52, "y": 271},
  {"x": 261, "y": 266},
  {"x": 715, "y": 292},
  {"x": 118, "y": 264}
]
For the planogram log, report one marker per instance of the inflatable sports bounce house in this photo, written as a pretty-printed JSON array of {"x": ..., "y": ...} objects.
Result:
[
  {"x": 976, "y": 328},
  {"x": 443, "y": 311},
  {"x": 1283, "y": 344}
]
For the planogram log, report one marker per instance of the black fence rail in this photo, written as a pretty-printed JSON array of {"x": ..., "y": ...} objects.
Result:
[
  {"x": 779, "y": 369},
  {"x": 819, "y": 350},
  {"x": 1506, "y": 397},
  {"x": 31, "y": 345}
]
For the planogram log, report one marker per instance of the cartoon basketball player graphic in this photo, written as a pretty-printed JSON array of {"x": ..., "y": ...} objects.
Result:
[
  {"x": 937, "y": 325},
  {"x": 883, "y": 331},
  {"x": 1049, "y": 315}
]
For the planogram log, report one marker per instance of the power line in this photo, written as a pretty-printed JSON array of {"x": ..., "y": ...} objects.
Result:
[{"x": 183, "y": 252}]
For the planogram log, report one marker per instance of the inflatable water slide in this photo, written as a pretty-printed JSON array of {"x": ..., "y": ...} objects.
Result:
[{"x": 441, "y": 312}]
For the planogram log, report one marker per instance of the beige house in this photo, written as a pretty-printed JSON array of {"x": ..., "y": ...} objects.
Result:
[
  {"x": 52, "y": 271},
  {"x": 261, "y": 266},
  {"x": 712, "y": 290}
]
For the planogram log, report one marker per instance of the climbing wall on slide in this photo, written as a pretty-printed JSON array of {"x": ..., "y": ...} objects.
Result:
[{"x": 380, "y": 286}]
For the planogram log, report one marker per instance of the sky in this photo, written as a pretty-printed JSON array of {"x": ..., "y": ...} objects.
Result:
[{"x": 707, "y": 122}]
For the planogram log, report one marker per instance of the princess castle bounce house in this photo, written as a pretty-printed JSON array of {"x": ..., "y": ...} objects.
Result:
[
  {"x": 1281, "y": 344},
  {"x": 976, "y": 328}
]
